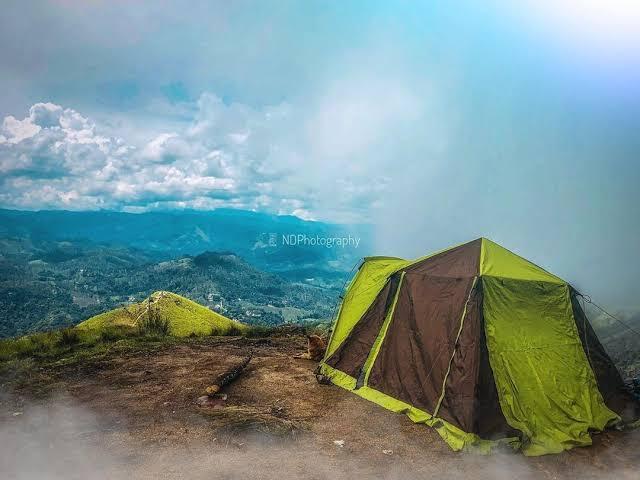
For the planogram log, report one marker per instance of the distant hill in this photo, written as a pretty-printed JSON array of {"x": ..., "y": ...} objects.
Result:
[
  {"x": 621, "y": 340},
  {"x": 183, "y": 316},
  {"x": 256, "y": 237},
  {"x": 58, "y": 268}
]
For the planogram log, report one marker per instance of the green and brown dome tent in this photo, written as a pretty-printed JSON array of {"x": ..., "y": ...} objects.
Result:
[{"x": 480, "y": 344}]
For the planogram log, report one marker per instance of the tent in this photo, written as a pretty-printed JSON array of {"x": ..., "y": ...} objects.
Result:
[{"x": 479, "y": 343}]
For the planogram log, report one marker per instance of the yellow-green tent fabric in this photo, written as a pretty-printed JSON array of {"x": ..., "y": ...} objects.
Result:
[{"x": 479, "y": 343}]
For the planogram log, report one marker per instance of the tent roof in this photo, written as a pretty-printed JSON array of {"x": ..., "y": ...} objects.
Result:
[
  {"x": 480, "y": 257},
  {"x": 497, "y": 261}
]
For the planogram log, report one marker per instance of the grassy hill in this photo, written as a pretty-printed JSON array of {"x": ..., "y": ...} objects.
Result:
[{"x": 177, "y": 315}]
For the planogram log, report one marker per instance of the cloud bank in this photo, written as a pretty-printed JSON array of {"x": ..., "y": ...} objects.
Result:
[
  {"x": 57, "y": 158},
  {"x": 280, "y": 158}
]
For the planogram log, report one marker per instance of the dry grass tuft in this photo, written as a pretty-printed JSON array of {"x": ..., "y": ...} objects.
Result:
[{"x": 236, "y": 419}]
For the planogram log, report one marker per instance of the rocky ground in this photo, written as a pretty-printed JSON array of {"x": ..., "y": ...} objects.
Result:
[{"x": 132, "y": 413}]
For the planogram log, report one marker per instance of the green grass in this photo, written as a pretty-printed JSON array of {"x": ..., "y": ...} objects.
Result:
[
  {"x": 163, "y": 318},
  {"x": 74, "y": 343},
  {"x": 164, "y": 313},
  {"x": 53, "y": 347},
  {"x": 28, "y": 346},
  {"x": 160, "y": 318},
  {"x": 52, "y": 344}
]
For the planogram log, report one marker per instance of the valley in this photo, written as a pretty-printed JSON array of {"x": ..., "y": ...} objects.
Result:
[{"x": 48, "y": 285}]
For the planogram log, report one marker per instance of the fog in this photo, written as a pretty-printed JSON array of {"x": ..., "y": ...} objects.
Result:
[{"x": 62, "y": 440}]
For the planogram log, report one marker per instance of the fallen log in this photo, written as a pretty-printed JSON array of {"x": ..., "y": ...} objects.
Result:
[{"x": 228, "y": 376}]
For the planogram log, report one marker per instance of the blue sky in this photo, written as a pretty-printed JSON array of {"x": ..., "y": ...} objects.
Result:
[{"x": 436, "y": 125}]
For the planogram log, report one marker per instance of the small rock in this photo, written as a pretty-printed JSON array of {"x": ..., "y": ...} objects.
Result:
[
  {"x": 387, "y": 452},
  {"x": 17, "y": 414},
  {"x": 212, "y": 402},
  {"x": 339, "y": 443}
]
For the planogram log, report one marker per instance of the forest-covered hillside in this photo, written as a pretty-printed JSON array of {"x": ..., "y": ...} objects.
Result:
[{"x": 46, "y": 285}]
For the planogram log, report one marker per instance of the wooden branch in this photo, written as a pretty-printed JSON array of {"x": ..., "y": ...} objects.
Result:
[{"x": 228, "y": 376}]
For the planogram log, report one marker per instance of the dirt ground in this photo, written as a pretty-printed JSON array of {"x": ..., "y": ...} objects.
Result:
[{"x": 134, "y": 415}]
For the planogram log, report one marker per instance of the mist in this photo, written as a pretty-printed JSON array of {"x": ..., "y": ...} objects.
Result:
[{"x": 61, "y": 439}]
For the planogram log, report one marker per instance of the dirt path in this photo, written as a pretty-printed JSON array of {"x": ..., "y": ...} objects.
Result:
[{"x": 133, "y": 415}]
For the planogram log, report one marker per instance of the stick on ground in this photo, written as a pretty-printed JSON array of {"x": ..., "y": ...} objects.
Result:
[{"x": 228, "y": 376}]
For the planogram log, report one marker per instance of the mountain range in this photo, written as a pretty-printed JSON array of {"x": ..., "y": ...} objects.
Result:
[
  {"x": 259, "y": 238},
  {"x": 58, "y": 268}
]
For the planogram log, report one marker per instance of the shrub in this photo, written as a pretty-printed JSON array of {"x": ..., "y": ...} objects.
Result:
[
  {"x": 154, "y": 325},
  {"x": 15, "y": 347},
  {"x": 68, "y": 337},
  {"x": 113, "y": 334},
  {"x": 28, "y": 346},
  {"x": 234, "y": 331},
  {"x": 258, "y": 331},
  {"x": 43, "y": 342}
]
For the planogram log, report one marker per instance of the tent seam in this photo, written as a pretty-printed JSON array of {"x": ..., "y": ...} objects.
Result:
[
  {"x": 455, "y": 347},
  {"x": 375, "y": 349},
  {"x": 328, "y": 352}
]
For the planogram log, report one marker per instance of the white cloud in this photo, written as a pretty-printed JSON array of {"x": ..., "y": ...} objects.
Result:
[
  {"x": 57, "y": 158},
  {"x": 14, "y": 131},
  {"x": 165, "y": 148},
  {"x": 313, "y": 162},
  {"x": 54, "y": 143},
  {"x": 46, "y": 115}
]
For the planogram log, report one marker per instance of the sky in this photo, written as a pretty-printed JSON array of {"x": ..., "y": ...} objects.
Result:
[{"x": 516, "y": 121}]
